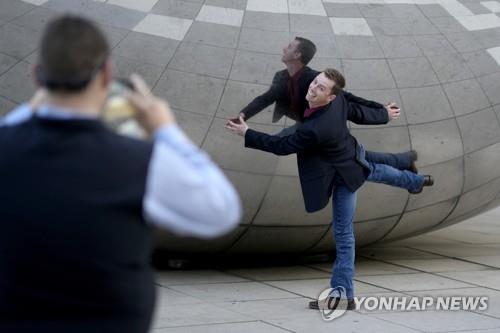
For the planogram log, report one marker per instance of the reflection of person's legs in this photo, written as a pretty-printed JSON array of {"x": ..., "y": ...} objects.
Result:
[
  {"x": 344, "y": 206},
  {"x": 385, "y": 174},
  {"x": 287, "y": 131},
  {"x": 401, "y": 161}
]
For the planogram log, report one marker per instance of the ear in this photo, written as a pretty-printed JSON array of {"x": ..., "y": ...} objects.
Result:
[
  {"x": 297, "y": 55},
  {"x": 331, "y": 97},
  {"x": 107, "y": 73}
]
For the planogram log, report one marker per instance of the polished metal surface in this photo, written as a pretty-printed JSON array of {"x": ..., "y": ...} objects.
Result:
[{"x": 439, "y": 60}]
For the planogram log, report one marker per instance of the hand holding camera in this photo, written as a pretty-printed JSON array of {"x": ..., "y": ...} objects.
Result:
[{"x": 132, "y": 99}]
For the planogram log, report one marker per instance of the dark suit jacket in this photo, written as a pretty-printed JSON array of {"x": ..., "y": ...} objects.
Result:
[
  {"x": 324, "y": 147},
  {"x": 278, "y": 92}
]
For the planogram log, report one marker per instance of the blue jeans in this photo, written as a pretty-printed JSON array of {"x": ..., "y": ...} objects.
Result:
[
  {"x": 344, "y": 206},
  {"x": 386, "y": 174},
  {"x": 401, "y": 161}
]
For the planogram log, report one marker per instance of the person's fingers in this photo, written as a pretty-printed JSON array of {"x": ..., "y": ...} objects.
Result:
[
  {"x": 137, "y": 100},
  {"x": 140, "y": 85},
  {"x": 231, "y": 125}
]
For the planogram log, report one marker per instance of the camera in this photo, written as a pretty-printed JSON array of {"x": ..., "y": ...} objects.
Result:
[{"x": 118, "y": 113}]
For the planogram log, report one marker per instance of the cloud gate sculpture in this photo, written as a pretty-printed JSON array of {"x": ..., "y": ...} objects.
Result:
[{"x": 438, "y": 59}]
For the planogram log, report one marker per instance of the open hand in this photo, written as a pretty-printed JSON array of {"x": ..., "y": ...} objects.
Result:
[
  {"x": 239, "y": 127},
  {"x": 393, "y": 111}
]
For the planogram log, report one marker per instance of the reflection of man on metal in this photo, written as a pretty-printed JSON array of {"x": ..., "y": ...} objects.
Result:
[
  {"x": 79, "y": 201},
  {"x": 332, "y": 164},
  {"x": 289, "y": 88}
]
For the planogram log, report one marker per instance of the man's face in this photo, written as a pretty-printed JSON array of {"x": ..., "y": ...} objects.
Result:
[
  {"x": 291, "y": 52},
  {"x": 320, "y": 91}
]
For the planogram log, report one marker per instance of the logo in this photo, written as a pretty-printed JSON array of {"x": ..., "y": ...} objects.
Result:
[
  {"x": 437, "y": 303},
  {"x": 332, "y": 303}
]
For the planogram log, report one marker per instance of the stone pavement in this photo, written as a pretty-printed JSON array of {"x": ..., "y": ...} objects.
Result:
[{"x": 462, "y": 260}]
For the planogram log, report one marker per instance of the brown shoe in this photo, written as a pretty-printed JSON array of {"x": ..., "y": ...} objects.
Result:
[
  {"x": 333, "y": 303},
  {"x": 428, "y": 181}
]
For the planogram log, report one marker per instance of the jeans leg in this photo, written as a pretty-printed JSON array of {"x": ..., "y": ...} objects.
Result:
[
  {"x": 344, "y": 206},
  {"x": 385, "y": 174},
  {"x": 401, "y": 161}
]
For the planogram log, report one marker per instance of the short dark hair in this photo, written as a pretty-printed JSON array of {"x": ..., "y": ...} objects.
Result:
[
  {"x": 306, "y": 48},
  {"x": 72, "y": 51},
  {"x": 337, "y": 78}
]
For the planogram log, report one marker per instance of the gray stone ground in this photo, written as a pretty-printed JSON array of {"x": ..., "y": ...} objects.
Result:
[{"x": 462, "y": 260}]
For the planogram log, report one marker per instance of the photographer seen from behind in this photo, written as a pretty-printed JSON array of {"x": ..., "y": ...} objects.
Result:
[{"x": 78, "y": 202}]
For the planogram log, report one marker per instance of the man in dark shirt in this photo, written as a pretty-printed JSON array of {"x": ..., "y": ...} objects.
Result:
[
  {"x": 331, "y": 164},
  {"x": 288, "y": 91}
]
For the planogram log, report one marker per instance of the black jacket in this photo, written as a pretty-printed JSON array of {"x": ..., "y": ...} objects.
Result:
[
  {"x": 278, "y": 92},
  {"x": 324, "y": 147}
]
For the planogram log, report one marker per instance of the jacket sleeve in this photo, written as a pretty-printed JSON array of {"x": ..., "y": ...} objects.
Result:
[
  {"x": 261, "y": 102},
  {"x": 298, "y": 142},
  {"x": 362, "y": 111}
]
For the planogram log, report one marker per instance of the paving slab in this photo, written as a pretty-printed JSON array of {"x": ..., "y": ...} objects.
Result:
[
  {"x": 245, "y": 327},
  {"x": 279, "y": 273},
  {"x": 440, "y": 321},
  {"x": 193, "y": 277},
  {"x": 492, "y": 261},
  {"x": 313, "y": 287},
  {"x": 177, "y": 8},
  {"x": 440, "y": 265},
  {"x": 195, "y": 314},
  {"x": 409, "y": 282},
  {"x": 486, "y": 278},
  {"x": 236, "y": 291},
  {"x": 269, "y": 309},
  {"x": 350, "y": 322}
]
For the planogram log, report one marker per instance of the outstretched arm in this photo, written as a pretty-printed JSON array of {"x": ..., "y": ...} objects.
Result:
[
  {"x": 261, "y": 102},
  {"x": 298, "y": 142},
  {"x": 362, "y": 111}
]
